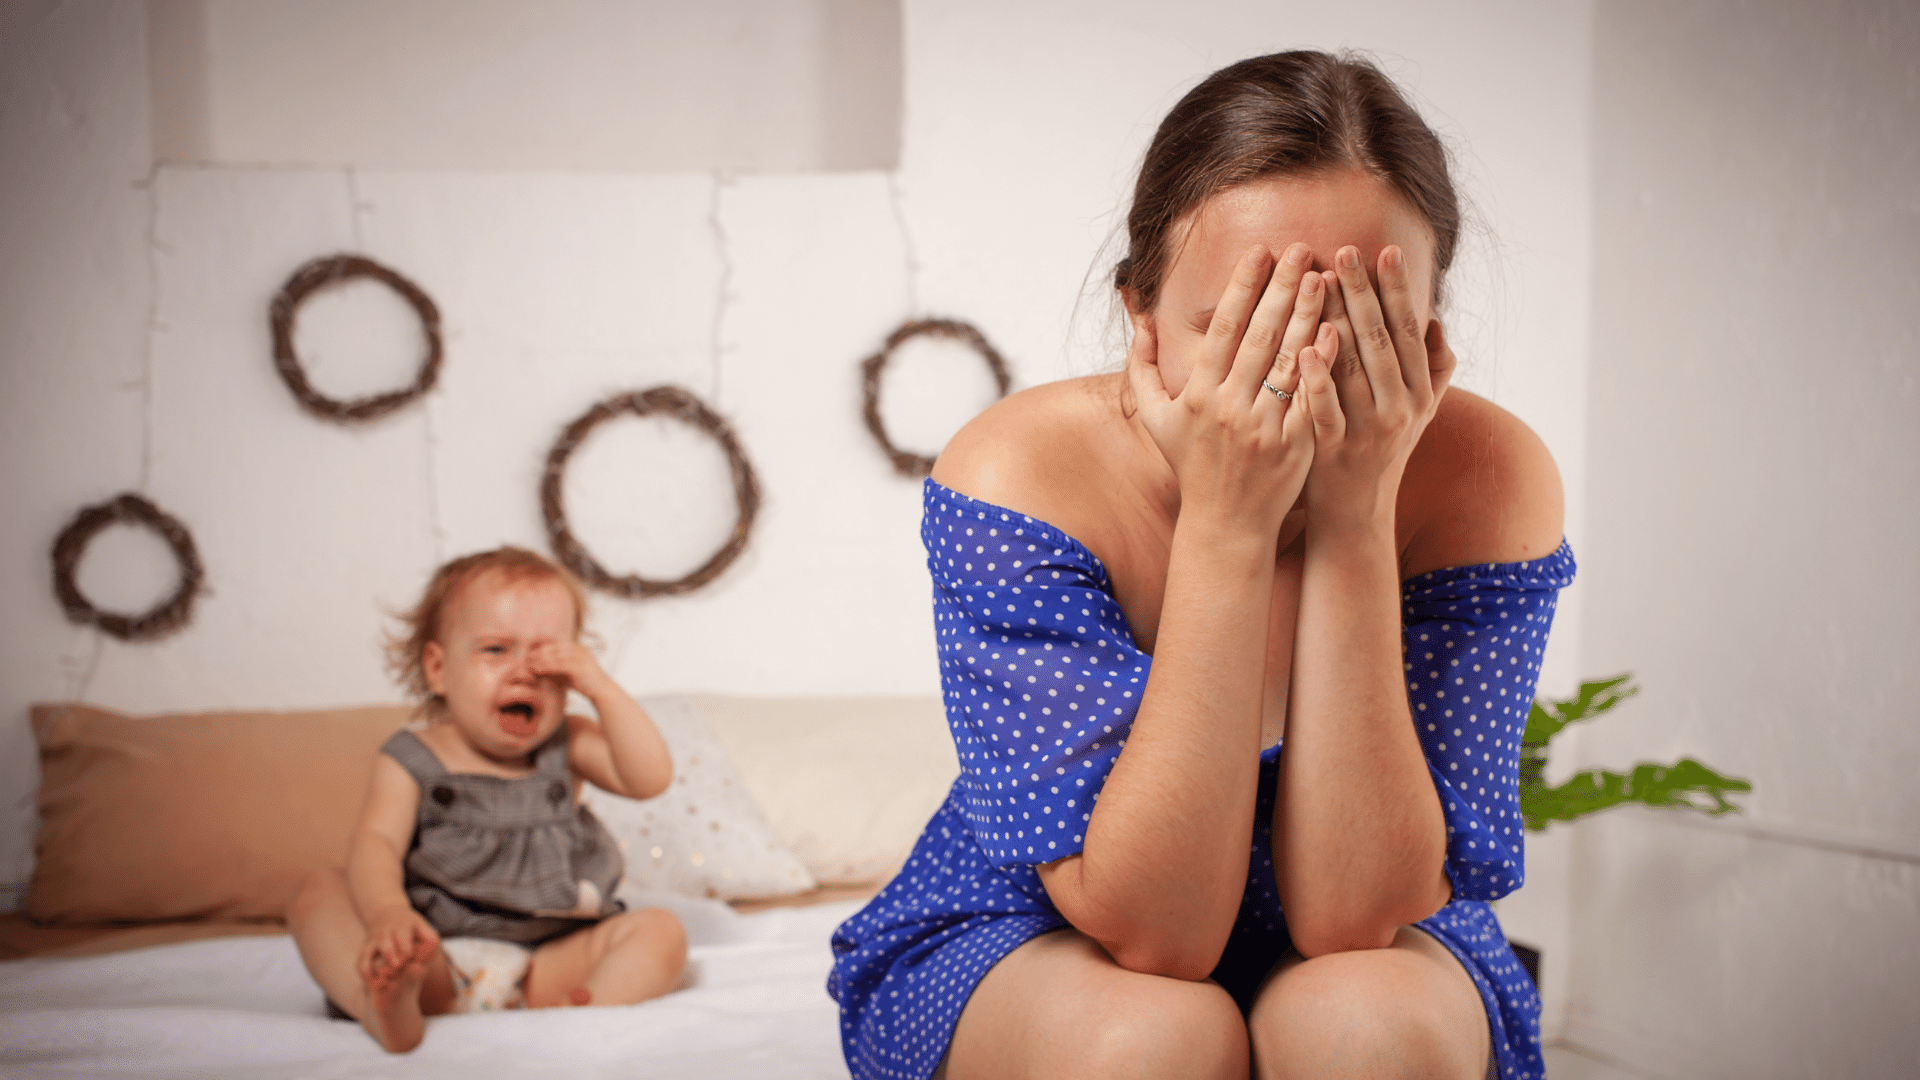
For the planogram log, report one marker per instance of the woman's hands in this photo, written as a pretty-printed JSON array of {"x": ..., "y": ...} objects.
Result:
[
  {"x": 1369, "y": 367},
  {"x": 1373, "y": 381},
  {"x": 1240, "y": 452}
]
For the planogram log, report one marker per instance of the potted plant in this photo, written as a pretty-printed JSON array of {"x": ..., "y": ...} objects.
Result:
[{"x": 1686, "y": 784}]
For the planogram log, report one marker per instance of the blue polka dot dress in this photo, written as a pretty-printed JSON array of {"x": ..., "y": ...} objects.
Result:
[{"x": 1042, "y": 678}]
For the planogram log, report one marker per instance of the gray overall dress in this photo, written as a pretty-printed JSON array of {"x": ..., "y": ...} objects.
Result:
[{"x": 514, "y": 860}]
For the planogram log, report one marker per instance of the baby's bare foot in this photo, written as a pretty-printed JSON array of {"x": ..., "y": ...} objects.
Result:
[{"x": 393, "y": 1015}]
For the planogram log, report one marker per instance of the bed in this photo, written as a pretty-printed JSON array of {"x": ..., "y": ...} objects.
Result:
[{"x": 148, "y": 947}]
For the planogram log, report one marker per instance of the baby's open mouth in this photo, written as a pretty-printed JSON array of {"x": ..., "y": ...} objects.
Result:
[{"x": 516, "y": 718}]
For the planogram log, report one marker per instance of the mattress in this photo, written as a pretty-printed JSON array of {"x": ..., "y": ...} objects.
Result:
[{"x": 753, "y": 1004}]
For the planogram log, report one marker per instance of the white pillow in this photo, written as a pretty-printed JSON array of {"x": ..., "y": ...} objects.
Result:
[
  {"x": 846, "y": 782},
  {"x": 703, "y": 836}
]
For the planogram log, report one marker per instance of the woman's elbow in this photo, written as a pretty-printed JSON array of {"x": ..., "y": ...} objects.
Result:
[
  {"x": 1151, "y": 946},
  {"x": 1348, "y": 927},
  {"x": 1325, "y": 937},
  {"x": 1167, "y": 959},
  {"x": 1175, "y": 935}
]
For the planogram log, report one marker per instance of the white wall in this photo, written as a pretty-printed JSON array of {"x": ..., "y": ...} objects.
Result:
[
  {"x": 1751, "y": 520},
  {"x": 581, "y": 85},
  {"x": 562, "y": 278},
  {"x": 74, "y": 303}
]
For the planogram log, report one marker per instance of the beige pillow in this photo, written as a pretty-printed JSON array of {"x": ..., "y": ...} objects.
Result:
[
  {"x": 846, "y": 782},
  {"x": 703, "y": 836},
  {"x": 197, "y": 814}
]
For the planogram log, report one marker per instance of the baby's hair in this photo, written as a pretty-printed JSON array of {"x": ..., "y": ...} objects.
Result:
[{"x": 421, "y": 623}]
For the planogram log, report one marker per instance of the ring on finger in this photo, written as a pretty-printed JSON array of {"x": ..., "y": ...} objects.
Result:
[{"x": 1283, "y": 395}]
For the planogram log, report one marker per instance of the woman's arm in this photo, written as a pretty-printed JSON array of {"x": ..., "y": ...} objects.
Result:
[
  {"x": 1360, "y": 838},
  {"x": 1165, "y": 859},
  {"x": 1163, "y": 866}
]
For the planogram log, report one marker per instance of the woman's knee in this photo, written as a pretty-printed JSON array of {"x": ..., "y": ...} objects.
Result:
[
  {"x": 1377, "y": 1013},
  {"x": 1059, "y": 1006},
  {"x": 1167, "y": 1028}
]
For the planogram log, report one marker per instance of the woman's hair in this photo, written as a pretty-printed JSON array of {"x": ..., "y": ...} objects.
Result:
[
  {"x": 1289, "y": 114},
  {"x": 421, "y": 624}
]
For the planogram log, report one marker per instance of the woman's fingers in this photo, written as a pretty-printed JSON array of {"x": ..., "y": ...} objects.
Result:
[
  {"x": 1316, "y": 382},
  {"x": 1272, "y": 318},
  {"x": 1370, "y": 333},
  {"x": 1402, "y": 318},
  {"x": 1343, "y": 360},
  {"x": 1297, "y": 423},
  {"x": 1309, "y": 302},
  {"x": 1232, "y": 316}
]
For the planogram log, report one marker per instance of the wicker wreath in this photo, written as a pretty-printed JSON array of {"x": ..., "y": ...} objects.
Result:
[
  {"x": 680, "y": 405},
  {"x": 904, "y": 462},
  {"x": 166, "y": 617},
  {"x": 333, "y": 270}
]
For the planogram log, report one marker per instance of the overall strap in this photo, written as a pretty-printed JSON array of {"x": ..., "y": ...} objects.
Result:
[
  {"x": 551, "y": 758},
  {"x": 414, "y": 756}
]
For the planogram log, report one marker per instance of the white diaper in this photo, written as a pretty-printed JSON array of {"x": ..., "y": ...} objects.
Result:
[{"x": 487, "y": 974}]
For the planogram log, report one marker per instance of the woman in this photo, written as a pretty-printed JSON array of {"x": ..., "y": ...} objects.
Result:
[{"x": 1276, "y": 528}]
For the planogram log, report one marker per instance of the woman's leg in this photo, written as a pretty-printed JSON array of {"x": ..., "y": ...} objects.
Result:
[
  {"x": 327, "y": 930},
  {"x": 632, "y": 957},
  {"x": 1408, "y": 1010},
  {"x": 1059, "y": 1007}
]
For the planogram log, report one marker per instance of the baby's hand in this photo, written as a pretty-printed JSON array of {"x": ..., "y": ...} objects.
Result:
[
  {"x": 570, "y": 661},
  {"x": 396, "y": 938}
]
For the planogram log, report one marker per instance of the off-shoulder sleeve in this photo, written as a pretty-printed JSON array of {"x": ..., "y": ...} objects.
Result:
[
  {"x": 1039, "y": 671},
  {"x": 1473, "y": 637}
]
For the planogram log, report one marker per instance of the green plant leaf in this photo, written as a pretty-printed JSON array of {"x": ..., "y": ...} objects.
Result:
[
  {"x": 1686, "y": 784},
  {"x": 1547, "y": 718}
]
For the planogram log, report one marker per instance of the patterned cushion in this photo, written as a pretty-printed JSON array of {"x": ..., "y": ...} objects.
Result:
[{"x": 704, "y": 835}]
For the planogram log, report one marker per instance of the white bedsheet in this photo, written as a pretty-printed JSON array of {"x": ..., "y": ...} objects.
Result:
[{"x": 753, "y": 1004}]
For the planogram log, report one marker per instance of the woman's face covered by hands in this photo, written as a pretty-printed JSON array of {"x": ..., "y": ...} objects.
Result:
[{"x": 1325, "y": 213}]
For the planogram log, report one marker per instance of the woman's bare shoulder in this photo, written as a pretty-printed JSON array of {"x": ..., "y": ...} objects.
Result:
[
  {"x": 1481, "y": 487},
  {"x": 1034, "y": 451}
]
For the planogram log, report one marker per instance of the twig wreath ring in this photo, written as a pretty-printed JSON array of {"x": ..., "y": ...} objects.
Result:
[
  {"x": 680, "y": 405},
  {"x": 905, "y": 462},
  {"x": 164, "y": 618},
  {"x": 333, "y": 270}
]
